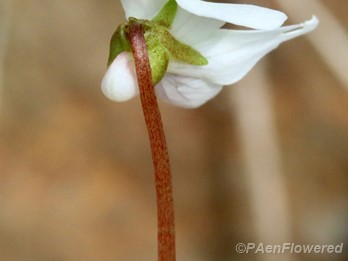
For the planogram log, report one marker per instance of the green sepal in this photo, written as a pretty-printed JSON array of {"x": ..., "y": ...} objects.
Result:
[
  {"x": 158, "y": 57},
  {"x": 166, "y": 15},
  {"x": 119, "y": 43},
  {"x": 161, "y": 45},
  {"x": 176, "y": 50}
]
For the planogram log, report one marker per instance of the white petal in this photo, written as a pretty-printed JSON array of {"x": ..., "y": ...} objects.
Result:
[
  {"x": 238, "y": 14},
  {"x": 192, "y": 29},
  {"x": 231, "y": 54},
  {"x": 120, "y": 83},
  {"x": 301, "y": 29},
  {"x": 186, "y": 92},
  {"x": 142, "y": 9}
]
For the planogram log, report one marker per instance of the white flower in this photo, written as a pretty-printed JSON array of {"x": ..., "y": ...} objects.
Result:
[{"x": 230, "y": 53}]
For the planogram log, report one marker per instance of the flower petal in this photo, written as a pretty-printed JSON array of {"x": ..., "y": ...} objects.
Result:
[
  {"x": 239, "y": 14},
  {"x": 120, "y": 83},
  {"x": 192, "y": 29},
  {"x": 186, "y": 92},
  {"x": 142, "y": 9},
  {"x": 231, "y": 54}
]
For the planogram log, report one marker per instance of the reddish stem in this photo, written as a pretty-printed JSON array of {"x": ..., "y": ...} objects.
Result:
[{"x": 160, "y": 158}]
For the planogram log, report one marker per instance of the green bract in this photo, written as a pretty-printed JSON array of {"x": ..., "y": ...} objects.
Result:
[{"x": 161, "y": 45}]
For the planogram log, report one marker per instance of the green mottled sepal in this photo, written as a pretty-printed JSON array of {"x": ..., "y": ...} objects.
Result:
[
  {"x": 158, "y": 56},
  {"x": 119, "y": 43},
  {"x": 166, "y": 15},
  {"x": 161, "y": 45},
  {"x": 178, "y": 51}
]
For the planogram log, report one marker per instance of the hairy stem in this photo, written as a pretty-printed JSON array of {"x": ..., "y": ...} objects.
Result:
[{"x": 165, "y": 205}]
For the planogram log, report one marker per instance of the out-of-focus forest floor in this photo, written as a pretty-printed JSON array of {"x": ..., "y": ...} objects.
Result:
[{"x": 76, "y": 178}]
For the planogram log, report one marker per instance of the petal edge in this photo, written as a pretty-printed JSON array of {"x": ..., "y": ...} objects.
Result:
[{"x": 239, "y": 14}]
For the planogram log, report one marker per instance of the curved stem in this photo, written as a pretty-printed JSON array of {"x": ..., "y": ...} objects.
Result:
[{"x": 165, "y": 205}]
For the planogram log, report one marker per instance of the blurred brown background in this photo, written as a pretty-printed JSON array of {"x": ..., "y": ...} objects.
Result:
[{"x": 265, "y": 161}]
